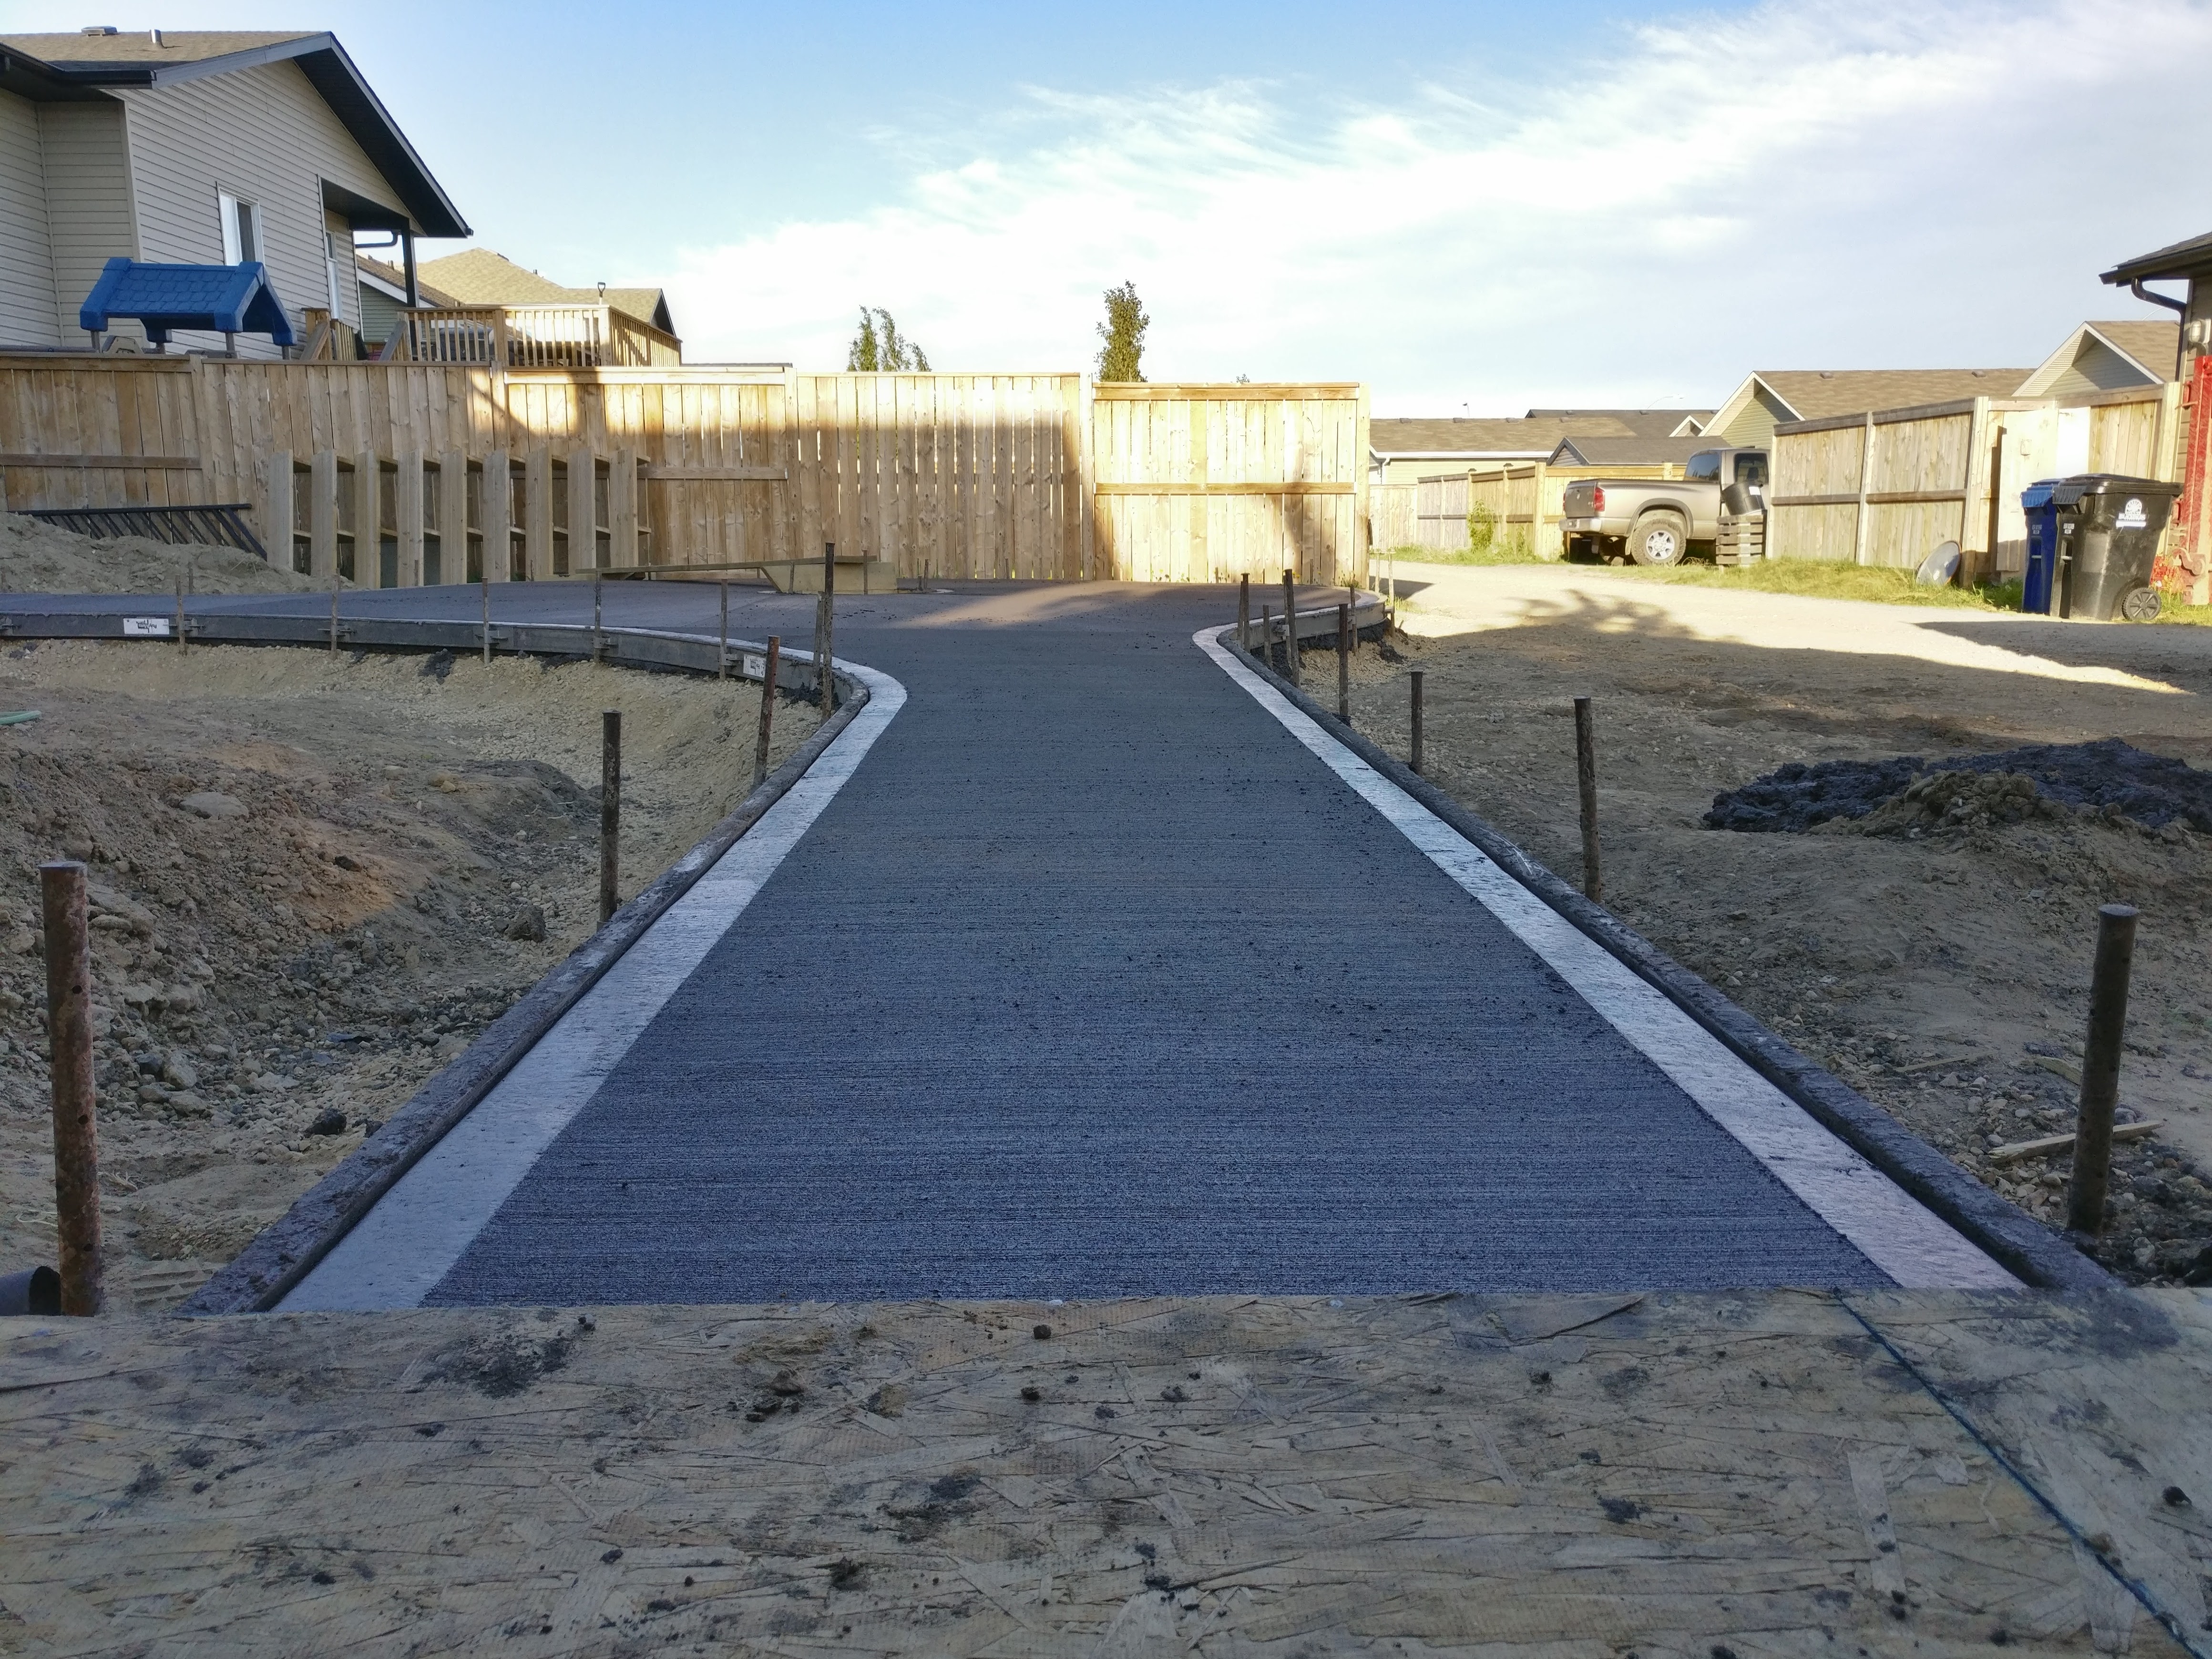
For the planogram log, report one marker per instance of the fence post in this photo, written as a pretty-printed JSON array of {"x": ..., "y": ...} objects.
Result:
[
  {"x": 824, "y": 616},
  {"x": 69, "y": 1037},
  {"x": 1244, "y": 612},
  {"x": 1344, "y": 663},
  {"x": 610, "y": 811},
  {"x": 1586, "y": 783},
  {"x": 1290, "y": 626},
  {"x": 1417, "y": 676},
  {"x": 767, "y": 707},
  {"x": 2100, "y": 1068}
]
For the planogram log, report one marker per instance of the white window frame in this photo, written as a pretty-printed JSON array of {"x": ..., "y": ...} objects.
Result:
[{"x": 241, "y": 225}]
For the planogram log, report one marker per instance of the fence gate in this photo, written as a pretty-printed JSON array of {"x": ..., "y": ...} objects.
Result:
[{"x": 1202, "y": 483}]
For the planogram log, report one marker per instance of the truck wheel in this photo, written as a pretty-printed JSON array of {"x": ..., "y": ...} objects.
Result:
[
  {"x": 1659, "y": 539},
  {"x": 2140, "y": 605}
]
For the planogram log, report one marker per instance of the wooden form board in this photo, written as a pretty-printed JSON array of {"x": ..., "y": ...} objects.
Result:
[
  {"x": 1887, "y": 487},
  {"x": 1207, "y": 482},
  {"x": 1526, "y": 1476}
]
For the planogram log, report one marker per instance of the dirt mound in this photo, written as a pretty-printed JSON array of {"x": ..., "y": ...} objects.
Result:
[
  {"x": 39, "y": 558},
  {"x": 2110, "y": 778}
]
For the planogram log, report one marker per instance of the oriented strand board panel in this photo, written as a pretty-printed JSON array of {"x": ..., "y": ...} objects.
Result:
[{"x": 1590, "y": 1475}]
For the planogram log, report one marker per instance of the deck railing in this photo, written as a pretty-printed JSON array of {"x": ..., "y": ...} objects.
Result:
[{"x": 532, "y": 336}]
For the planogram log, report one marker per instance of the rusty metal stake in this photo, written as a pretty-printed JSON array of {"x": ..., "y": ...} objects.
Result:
[
  {"x": 1290, "y": 626},
  {"x": 722, "y": 652},
  {"x": 824, "y": 618},
  {"x": 2100, "y": 1068},
  {"x": 610, "y": 811},
  {"x": 1244, "y": 613},
  {"x": 69, "y": 1037},
  {"x": 181, "y": 646},
  {"x": 334, "y": 608},
  {"x": 1344, "y": 663},
  {"x": 1418, "y": 675},
  {"x": 595, "y": 619},
  {"x": 1586, "y": 783},
  {"x": 487, "y": 621},
  {"x": 767, "y": 707}
]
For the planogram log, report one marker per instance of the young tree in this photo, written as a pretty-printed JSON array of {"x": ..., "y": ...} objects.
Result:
[
  {"x": 880, "y": 348},
  {"x": 1123, "y": 330}
]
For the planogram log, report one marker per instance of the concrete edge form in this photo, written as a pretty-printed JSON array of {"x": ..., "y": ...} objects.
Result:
[
  {"x": 2009, "y": 1236},
  {"x": 284, "y": 1252}
]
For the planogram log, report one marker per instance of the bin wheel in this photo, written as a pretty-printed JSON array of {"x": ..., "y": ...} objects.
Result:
[{"x": 2139, "y": 605}]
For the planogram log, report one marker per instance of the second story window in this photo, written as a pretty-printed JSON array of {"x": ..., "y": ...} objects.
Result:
[{"x": 241, "y": 228}]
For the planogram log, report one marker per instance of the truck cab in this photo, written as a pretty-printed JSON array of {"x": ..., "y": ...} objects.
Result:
[{"x": 1657, "y": 521}]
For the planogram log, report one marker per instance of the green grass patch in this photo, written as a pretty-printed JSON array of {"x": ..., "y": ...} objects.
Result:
[
  {"x": 1825, "y": 579},
  {"x": 1496, "y": 552}
]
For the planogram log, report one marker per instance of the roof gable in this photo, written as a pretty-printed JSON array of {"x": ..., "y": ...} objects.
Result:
[
  {"x": 2109, "y": 356},
  {"x": 139, "y": 59}
]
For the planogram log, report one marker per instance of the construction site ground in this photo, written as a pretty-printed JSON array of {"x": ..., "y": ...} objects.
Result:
[
  {"x": 1940, "y": 968},
  {"x": 314, "y": 881}
]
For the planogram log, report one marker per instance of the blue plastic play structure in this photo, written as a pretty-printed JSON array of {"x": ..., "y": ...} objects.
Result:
[{"x": 219, "y": 299}]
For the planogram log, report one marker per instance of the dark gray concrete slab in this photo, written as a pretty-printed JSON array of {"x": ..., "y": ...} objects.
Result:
[{"x": 1107, "y": 988}]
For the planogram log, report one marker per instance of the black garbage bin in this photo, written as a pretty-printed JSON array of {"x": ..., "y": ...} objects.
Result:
[{"x": 2098, "y": 535}]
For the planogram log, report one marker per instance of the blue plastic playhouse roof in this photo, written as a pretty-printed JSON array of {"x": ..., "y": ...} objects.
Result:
[{"x": 219, "y": 299}]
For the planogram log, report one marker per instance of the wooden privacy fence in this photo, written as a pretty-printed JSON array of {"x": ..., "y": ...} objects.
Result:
[
  {"x": 414, "y": 472},
  {"x": 1889, "y": 487},
  {"x": 1202, "y": 483}
]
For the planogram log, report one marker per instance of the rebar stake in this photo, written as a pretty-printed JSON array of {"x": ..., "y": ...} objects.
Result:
[
  {"x": 1586, "y": 784},
  {"x": 767, "y": 707},
  {"x": 610, "y": 811},
  {"x": 1290, "y": 626},
  {"x": 1344, "y": 663},
  {"x": 1418, "y": 675},
  {"x": 2100, "y": 1068}
]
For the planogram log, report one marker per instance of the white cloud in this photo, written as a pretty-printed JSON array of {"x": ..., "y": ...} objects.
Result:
[{"x": 1830, "y": 184}]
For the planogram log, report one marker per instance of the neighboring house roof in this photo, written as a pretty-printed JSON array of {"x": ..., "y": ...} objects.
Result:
[
  {"x": 2112, "y": 355},
  {"x": 2181, "y": 260},
  {"x": 478, "y": 276},
  {"x": 1626, "y": 452},
  {"x": 159, "y": 57},
  {"x": 393, "y": 281},
  {"x": 1531, "y": 436},
  {"x": 42, "y": 83},
  {"x": 1809, "y": 394}
]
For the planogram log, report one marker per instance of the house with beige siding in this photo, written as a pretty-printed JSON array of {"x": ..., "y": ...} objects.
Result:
[{"x": 196, "y": 148}]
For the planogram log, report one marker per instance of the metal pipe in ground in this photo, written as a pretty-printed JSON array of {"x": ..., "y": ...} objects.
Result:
[
  {"x": 181, "y": 645},
  {"x": 487, "y": 621},
  {"x": 767, "y": 707},
  {"x": 1414, "y": 761},
  {"x": 1344, "y": 663},
  {"x": 1586, "y": 784},
  {"x": 610, "y": 811},
  {"x": 722, "y": 651},
  {"x": 596, "y": 630},
  {"x": 2100, "y": 1068},
  {"x": 1291, "y": 626},
  {"x": 1244, "y": 613},
  {"x": 69, "y": 1038},
  {"x": 334, "y": 607},
  {"x": 825, "y": 614}
]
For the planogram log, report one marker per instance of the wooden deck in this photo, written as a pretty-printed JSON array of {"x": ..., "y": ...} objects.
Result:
[{"x": 1589, "y": 1475}]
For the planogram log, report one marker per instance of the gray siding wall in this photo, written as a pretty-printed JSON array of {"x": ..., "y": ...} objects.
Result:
[
  {"x": 89, "y": 216},
  {"x": 266, "y": 135},
  {"x": 26, "y": 254}
]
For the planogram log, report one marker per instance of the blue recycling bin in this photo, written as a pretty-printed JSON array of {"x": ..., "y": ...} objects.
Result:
[{"x": 2039, "y": 502}]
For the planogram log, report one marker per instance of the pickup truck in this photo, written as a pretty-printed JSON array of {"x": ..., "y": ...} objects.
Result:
[{"x": 1655, "y": 520}]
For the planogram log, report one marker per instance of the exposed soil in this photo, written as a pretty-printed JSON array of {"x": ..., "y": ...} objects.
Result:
[
  {"x": 38, "y": 558},
  {"x": 1934, "y": 953},
  {"x": 314, "y": 881}
]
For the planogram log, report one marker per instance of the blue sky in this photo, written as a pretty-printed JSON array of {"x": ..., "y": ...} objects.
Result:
[{"x": 1466, "y": 207}]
